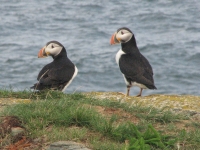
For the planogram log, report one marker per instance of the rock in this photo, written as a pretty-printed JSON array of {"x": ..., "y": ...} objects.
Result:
[
  {"x": 177, "y": 103},
  {"x": 7, "y": 123},
  {"x": 196, "y": 117},
  {"x": 67, "y": 145},
  {"x": 37, "y": 140},
  {"x": 16, "y": 131}
]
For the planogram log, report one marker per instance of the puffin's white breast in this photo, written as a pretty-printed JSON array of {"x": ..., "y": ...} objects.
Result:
[
  {"x": 118, "y": 56},
  {"x": 74, "y": 75}
]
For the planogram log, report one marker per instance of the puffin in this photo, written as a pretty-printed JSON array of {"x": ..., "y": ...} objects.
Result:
[
  {"x": 58, "y": 74},
  {"x": 135, "y": 68}
]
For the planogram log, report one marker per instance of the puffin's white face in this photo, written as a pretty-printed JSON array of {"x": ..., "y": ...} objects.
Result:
[
  {"x": 51, "y": 49},
  {"x": 122, "y": 36}
]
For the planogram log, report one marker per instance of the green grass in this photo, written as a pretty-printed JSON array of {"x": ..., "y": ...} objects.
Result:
[{"x": 59, "y": 116}]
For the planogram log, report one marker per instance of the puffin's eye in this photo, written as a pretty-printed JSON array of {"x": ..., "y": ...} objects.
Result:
[
  {"x": 52, "y": 46},
  {"x": 122, "y": 32}
]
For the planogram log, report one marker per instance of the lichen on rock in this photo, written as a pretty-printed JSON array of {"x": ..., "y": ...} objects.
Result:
[{"x": 167, "y": 102}]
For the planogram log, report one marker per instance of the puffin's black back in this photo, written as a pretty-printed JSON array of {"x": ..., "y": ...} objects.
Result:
[{"x": 135, "y": 66}]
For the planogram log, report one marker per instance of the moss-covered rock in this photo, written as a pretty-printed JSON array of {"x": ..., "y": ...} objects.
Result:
[{"x": 167, "y": 102}]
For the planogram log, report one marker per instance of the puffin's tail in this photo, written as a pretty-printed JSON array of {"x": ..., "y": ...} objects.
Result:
[
  {"x": 35, "y": 86},
  {"x": 153, "y": 87}
]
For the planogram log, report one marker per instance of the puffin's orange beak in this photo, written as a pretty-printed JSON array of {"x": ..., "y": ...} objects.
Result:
[
  {"x": 41, "y": 53},
  {"x": 113, "y": 39}
]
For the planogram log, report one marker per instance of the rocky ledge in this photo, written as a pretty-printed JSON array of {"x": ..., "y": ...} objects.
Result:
[{"x": 175, "y": 103}]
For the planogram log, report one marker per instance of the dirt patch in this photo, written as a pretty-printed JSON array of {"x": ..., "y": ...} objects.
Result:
[
  {"x": 9, "y": 141},
  {"x": 121, "y": 115}
]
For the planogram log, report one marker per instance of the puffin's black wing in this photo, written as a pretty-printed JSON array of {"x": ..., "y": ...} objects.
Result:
[
  {"x": 136, "y": 68},
  {"x": 54, "y": 77},
  {"x": 44, "y": 70}
]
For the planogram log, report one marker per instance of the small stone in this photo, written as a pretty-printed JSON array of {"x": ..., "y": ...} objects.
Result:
[
  {"x": 37, "y": 140},
  {"x": 16, "y": 131},
  {"x": 67, "y": 145}
]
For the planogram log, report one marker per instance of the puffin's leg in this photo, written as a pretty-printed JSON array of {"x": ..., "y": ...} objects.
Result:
[
  {"x": 128, "y": 90},
  {"x": 140, "y": 92}
]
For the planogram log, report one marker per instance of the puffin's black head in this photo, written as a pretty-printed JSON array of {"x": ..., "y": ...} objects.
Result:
[
  {"x": 122, "y": 35},
  {"x": 52, "y": 48}
]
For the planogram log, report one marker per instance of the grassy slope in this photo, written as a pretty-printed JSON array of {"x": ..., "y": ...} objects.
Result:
[{"x": 100, "y": 124}]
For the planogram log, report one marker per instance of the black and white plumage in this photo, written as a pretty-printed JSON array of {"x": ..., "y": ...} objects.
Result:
[
  {"x": 134, "y": 66},
  {"x": 58, "y": 74}
]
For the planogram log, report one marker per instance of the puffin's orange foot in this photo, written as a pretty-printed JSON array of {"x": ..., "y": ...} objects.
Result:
[{"x": 140, "y": 94}]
